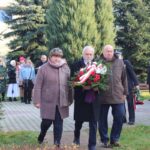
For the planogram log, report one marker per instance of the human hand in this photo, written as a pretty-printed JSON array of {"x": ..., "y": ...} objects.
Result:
[
  {"x": 86, "y": 87},
  {"x": 137, "y": 87},
  {"x": 124, "y": 97},
  {"x": 37, "y": 105},
  {"x": 96, "y": 89}
]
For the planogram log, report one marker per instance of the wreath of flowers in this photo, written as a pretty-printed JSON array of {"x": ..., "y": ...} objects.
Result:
[{"x": 93, "y": 76}]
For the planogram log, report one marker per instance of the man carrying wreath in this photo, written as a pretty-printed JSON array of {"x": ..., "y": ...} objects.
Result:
[{"x": 84, "y": 111}]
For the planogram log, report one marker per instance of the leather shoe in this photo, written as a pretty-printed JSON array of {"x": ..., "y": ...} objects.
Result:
[
  {"x": 114, "y": 144},
  {"x": 91, "y": 148},
  {"x": 40, "y": 138},
  {"x": 105, "y": 145},
  {"x": 76, "y": 141},
  {"x": 130, "y": 123}
]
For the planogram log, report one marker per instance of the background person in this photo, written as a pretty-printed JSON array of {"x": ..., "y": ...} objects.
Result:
[
  {"x": 13, "y": 89},
  {"x": 43, "y": 60},
  {"x": 27, "y": 77},
  {"x": 148, "y": 77},
  {"x": 132, "y": 84},
  {"x": 3, "y": 80},
  {"x": 21, "y": 63}
]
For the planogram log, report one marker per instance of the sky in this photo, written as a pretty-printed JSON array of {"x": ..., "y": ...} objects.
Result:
[
  {"x": 3, "y": 27},
  {"x": 4, "y": 3}
]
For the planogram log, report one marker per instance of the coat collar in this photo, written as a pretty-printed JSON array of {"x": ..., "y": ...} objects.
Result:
[{"x": 63, "y": 61}]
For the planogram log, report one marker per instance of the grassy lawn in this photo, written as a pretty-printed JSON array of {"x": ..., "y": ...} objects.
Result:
[
  {"x": 135, "y": 138},
  {"x": 145, "y": 95},
  {"x": 132, "y": 138}
]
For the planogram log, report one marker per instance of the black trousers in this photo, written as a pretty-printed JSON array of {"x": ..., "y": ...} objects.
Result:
[
  {"x": 92, "y": 131},
  {"x": 3, "y": 96},
  {"x": 58, "y": 127},
  {"x": 131, "y": 109}
]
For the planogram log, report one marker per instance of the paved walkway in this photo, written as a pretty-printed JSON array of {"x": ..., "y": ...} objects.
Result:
[
  {"x": 19, "y": 116},
  {"x": 25, "y": 117}
]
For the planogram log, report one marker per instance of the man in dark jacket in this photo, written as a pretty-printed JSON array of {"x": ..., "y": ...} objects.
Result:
[
  {"x": 83, "y": 111},
  {"x": 114, "y": 96},
  {"x": 148, "y": 77},
  {"x": 132, "y": 83},
  {"x": 43, "y": 60}
]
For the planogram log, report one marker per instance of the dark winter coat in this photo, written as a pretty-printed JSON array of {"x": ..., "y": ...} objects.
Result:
[
  {"x": 131, "y": 76},
  {"x": 11, "y": 74},
  {"x": 39, "y": 65},
  {"x": 117, "y": 87},
  {"x": 3, "y": 75},
  {"x": 83, "y": 111}
]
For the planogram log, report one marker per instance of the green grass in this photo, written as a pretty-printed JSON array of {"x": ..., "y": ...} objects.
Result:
[
  {"x": 135, "y": 138},
  {"x": 132, "y": 138},
  {"x": 18, "y": 138},
  {"x": 145, "y": 95}
]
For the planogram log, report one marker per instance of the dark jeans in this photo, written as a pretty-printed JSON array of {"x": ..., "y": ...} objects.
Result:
[
  {"x": 58, "y": 127},
  {"x": 27, "y": 95},
  {"x": 92, "y": 131},
  {"x": 131, "y": 109},
  {"x": 118, "y": 112},
  {"x": 3, "y": 96}
]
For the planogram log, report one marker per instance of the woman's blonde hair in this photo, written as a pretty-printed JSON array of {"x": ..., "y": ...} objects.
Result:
[{"x": 29, "y": 60}]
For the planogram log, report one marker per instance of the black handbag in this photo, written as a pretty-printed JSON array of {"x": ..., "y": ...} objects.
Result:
[{"x": 27, "y": 83}]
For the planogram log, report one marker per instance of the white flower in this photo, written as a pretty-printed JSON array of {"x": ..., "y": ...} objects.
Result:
[{"x": 101, "y": 70}]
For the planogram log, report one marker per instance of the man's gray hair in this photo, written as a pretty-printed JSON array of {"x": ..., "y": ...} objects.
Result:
[{"x": 88, "y": 47}]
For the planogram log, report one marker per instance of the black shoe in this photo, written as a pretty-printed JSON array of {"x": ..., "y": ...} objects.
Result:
[
  {"x": 131, "y": 123},
  {"x": 105, "y": 145},
  {"x": 124, "y": 120},
  {"x": 22, "y": 100},
  {"x": 40, "y": 138},
  {"x": 15, "y": 99},
  {"x": 76, "y": 141},
  {"x": 57, "y": 144},
  {"x": 92, "y": 148},
  {"x": 10, "y": 99},
  {"x": 114, "y": 144}
]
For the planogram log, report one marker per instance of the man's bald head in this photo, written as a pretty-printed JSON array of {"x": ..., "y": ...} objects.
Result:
[{"x": 108, "y": 52}]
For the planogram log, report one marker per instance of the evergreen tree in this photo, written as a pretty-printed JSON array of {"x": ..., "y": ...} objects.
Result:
[
  {"x": 27, "y": 27},
  {"x": 133, "y": 35},
  {"x": 71, "y": 26},
  {"x": 105, "y": 22}
]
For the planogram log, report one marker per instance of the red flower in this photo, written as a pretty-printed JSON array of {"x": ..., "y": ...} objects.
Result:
[
  {"x": 89, "y": 82},
  {"x": 93, "y": 73},
  {"x": 77, "y": 78},
  {"x": 81, "y": 72},
  {"x": 97, "y": 78}
]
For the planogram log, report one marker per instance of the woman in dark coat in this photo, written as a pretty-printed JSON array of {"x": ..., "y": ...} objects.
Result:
[
  {"x": 13, "y": 89},
  {"x": 132, "y": 83}
]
